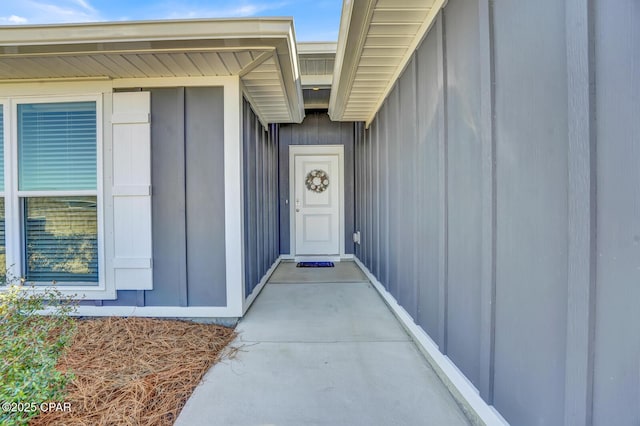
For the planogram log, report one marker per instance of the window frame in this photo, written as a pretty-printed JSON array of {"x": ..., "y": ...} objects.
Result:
[
  {"x": 14, "y": 205},
  {"x": 6, "y": 113}
]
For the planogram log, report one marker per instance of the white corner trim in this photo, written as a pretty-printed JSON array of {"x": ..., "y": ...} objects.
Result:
[
  {"x": 462, "y": 389},
  {"x": 256, "y": 291},
  {"x": 233, "y": 197}
]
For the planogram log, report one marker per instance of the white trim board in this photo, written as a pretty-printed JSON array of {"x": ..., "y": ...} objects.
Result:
[
  {"x": 478, "y": 411},
  {"x": 292, "y": 258},
  {"x": 157, "y": 311},
  {"x": 234, "y": 197},
  {"x": 256, "y": 291},
  {"x": 179, "y": 311},
  {"x": 311, "y": 258}
]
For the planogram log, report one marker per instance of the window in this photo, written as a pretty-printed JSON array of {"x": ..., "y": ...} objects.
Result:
[
  {"x": 56, "y": 167},
  {"x": 61, "y": 239},
  {"x": 51, "y": 191},
  {"x": 57, "y": 146}
]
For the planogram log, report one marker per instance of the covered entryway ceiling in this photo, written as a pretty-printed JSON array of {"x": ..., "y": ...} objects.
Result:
[
  {"x": 377, "y": 38},
  {"x": 317, "y": 61},
  {"x": 262, "y": 52}
]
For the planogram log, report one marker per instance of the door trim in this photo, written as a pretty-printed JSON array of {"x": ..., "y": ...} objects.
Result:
[{"x": 295, "y": 150}]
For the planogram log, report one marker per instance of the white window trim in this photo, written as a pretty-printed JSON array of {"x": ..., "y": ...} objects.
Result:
[
  {"x": 13, "y": 209},
  {"x": 4, "y": 106}
]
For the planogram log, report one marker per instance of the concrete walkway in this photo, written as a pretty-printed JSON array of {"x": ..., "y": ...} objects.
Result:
[{"x": 322, "y": 354}]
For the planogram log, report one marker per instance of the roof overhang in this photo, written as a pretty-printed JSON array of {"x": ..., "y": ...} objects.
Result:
[
  {"x": 261, "y": 51},
  {"x": 375, "y": 43}
]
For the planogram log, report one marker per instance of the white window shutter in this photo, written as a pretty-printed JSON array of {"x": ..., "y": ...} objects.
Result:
[{"x": 131, "y": 191}]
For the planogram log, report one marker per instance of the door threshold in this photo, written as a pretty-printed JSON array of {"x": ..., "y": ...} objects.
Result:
[{"x": 317, "y": 258}]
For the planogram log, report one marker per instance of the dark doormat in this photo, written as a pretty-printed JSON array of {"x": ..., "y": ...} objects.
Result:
[{"x": 315, "y": 265}]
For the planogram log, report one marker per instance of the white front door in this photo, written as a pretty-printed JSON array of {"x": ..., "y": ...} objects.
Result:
[{"x": 317, "y": 200}]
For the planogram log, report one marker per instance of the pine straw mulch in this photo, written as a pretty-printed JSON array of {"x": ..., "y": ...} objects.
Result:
[{"x": 135, "y": 371}]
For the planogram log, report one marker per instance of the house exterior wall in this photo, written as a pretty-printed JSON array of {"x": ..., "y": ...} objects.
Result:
[
  {"x": 187, "y": 200},
  {"x": 260, "y": 153},
  {"x": 316, "y": 129},
  {"x": 617, "y": 133},
  {"x": 463, "y": 186},
  {"x": 187, "y": 140},
  {"x": 503, "y": 214},
  {"x": 531, "y": 211}
]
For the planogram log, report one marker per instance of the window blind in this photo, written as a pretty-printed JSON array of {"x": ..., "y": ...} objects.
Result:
[
  {"x": 61, "y": 237},
  {"x": 57, "y": 146}
]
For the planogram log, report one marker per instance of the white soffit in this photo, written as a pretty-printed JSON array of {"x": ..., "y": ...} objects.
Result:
[
  {"x": 376, "y": 40},
  {"x": 262, "y": 51}
]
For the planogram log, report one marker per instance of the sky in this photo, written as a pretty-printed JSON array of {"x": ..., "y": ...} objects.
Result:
[{"x": 314, "y": 20}]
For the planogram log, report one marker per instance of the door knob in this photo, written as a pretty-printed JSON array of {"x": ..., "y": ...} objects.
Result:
[{"x": 297, "y": 206}]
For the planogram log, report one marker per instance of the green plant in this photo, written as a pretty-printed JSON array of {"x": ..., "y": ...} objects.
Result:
[{"x": 35, "y": 327}]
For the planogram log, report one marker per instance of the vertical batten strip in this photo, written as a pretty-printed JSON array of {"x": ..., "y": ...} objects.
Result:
[
  {"x": 183, "y": 296},
  {"x": 582, "y": 214},
  {"x": 442, "y": 160},
  {"x": 488, "y": 262},
  {"x": 377, "y": 229}
]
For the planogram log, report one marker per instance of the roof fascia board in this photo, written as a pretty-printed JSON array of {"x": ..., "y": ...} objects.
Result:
[
  {"x": 144, "y": 31},
  {"x": 420, "y": 35},
  {"x": 287, "y": 63},
  {"x": 317, "y": 48},
  {"x": 353, "y": 33},
  {"x": 251, "y": 45}
]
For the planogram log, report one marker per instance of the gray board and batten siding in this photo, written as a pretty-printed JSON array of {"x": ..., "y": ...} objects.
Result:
[
  {"x": 504, "y": 213},
  {"x": 616, "y": 246},
  {"x": 261, "y": 221},
  {"x": 187, "y": 155},
  {"x": 316, "y": 129}
]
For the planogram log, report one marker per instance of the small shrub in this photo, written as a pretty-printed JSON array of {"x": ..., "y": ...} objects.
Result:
[{"x": 35, "y": 328}]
